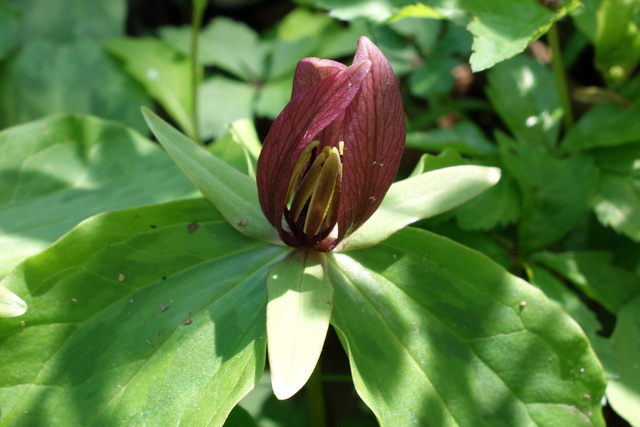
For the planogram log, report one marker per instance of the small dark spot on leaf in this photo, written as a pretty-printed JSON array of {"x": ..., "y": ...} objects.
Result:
[
  {"x": 188, "y": 321},
  {"x": 164, "y": 277},
  {"x": 329, "y": 302},
  {"x": 192, "y": 227},
  {"x": 153, "y": 226},
  {"x": 513, "y": 151},
  {"x": 242, "y": 222},
  {"x": 136, "y": 215},
  {"x": 441, "y": 266},
  {"x": 164, "y": 307}
]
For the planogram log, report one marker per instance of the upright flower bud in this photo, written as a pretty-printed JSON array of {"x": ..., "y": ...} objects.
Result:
[{"x": 334, "y": 151}]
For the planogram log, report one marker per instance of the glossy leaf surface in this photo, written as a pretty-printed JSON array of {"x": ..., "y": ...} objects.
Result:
[
  {"x": 152, "y": 315},
  {"x": 430, "y": 326},
  {"x": 58, "y": 171}
]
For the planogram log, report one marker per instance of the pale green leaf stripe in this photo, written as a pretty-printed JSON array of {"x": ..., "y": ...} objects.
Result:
[
  {"x": 10, "y": 304},
  {"x": 148, "y": 316},
  {"x": 438, "y": 334},
  {"x": 233, "y": 193},
  {"x": 420, "y": 197},
  {"x": 298, "y": 315}
]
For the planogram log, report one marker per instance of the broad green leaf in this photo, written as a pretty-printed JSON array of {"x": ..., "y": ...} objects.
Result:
[
  {"x": 77, "y": 77},
  {"x": 503, "y": 28},
  {"x": 418, "y": 10},
  {"x": 555, "y": 192},
  {"x": 63, "y": 21},
  {"x": 420, "y": 197},
  {"x": 60, "y": 170},
  {"x": 148, "y": 316},
  {"x": 273, "y": 97},
  {"x": 524, "y": 93},
  {"x": 376, "y": 11},
  {"x": 431, "y": 326},
  {"x": 496, "y": 207},
  {"x": 617, "y": 204},
  {"x": 593, "y": 273},
  {"x": 164, "y": 74},
  {"x": 10, "y": 304},
  {"x": 447, "y": 158},
  {"x": 9, "y": 26},
  {"x": 233, "y": 193},
  {"x": 434, "y": 77},
  {"x": 623, "y": 392},
  {"x": 298, "y": 314},
  {"x": 223, "y": 101},
  {"x": 465, "y": 137}
]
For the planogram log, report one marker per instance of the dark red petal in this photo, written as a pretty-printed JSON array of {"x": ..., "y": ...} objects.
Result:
[
  {"x": 310, "y": 71},
  {"x": 374, "y": 135},
  {"x": 299, "y": 123}
]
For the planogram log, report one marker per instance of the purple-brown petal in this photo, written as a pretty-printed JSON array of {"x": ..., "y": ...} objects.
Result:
[
  {"x": 302, "y": 120},
  {"x": 374, "y": 135}
]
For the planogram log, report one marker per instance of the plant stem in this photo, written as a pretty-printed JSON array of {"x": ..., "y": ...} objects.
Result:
[
  {"x": 561, "y": 81},
  {"x": 196, "y": 23},
  {"x": 315, "y": 398}
]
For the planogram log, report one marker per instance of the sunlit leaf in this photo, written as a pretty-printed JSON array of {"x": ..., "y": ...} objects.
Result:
[
  {"x": 420, "y": 197},
  {"x": 58, "y": 171},
  {"x": 10, "y": 304},
  {"x": 165, "y": 298},
  {"x": 426, "y": 321}
]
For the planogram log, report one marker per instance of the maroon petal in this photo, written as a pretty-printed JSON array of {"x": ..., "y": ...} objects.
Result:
[
  {"x": 311, "y": 70},
  {"x": 312, "y": 110},
  {"x": 374, "y": 135}
]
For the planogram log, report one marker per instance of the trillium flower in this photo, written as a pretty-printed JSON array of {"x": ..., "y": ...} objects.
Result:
[{"x": 334, "y": 151}]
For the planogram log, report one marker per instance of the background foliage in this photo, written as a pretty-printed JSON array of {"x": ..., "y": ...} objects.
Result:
[{"x": 547, "y": 91}]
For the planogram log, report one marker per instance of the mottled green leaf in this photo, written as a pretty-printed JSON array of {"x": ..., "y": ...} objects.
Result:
[
  {"x": 617, "y": 204},
  {"x": 431, "y": 326},
  {"x": 148, "y": 316},
  {"x": 60, "y": 170}
]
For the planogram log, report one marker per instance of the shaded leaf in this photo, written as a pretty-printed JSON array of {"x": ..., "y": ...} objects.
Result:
[
  {"x": 233, "y": 193},
  {"x": 555, "y": 192},
  {"x": 465, "y": 137},
  {"x": 593, "y": 273},
  {"x": 420, "y": 197},
  {"x": 164, "y": 74},
  {"x": 425, "y": 321},
  {"x": 79, "y": 78},
  {"x": 60, "y": 170},
  {"x": 298, "y": 313},
  {"x": 118, "y": 308},
  {"x": 9, "y": 25},
  {"x": 524, "y": 93}
]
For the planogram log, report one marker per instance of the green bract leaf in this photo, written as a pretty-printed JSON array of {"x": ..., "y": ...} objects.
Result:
[
  {"x": 623, "y": 392},
  {"x": 76, "y": 77},
  {"x": 430, "y": 326},
  {"x": 524, "y": 94},
  {"x": 594, "y": 274},
  {"x": 239, "y": 147},
  {"x": 233, "y": 193},
  {"x": 10, "y": 304},
  {"x": 60, "y": 170},
  {"x": 421, "y": 197},
  {"x": 152, "y": 315},
  {"x": 165, "y": 75},
  {"x": 298, "y": 314}
]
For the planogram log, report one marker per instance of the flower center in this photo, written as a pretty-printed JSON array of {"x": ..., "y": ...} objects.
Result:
[{"x": 313, "y": 193}]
